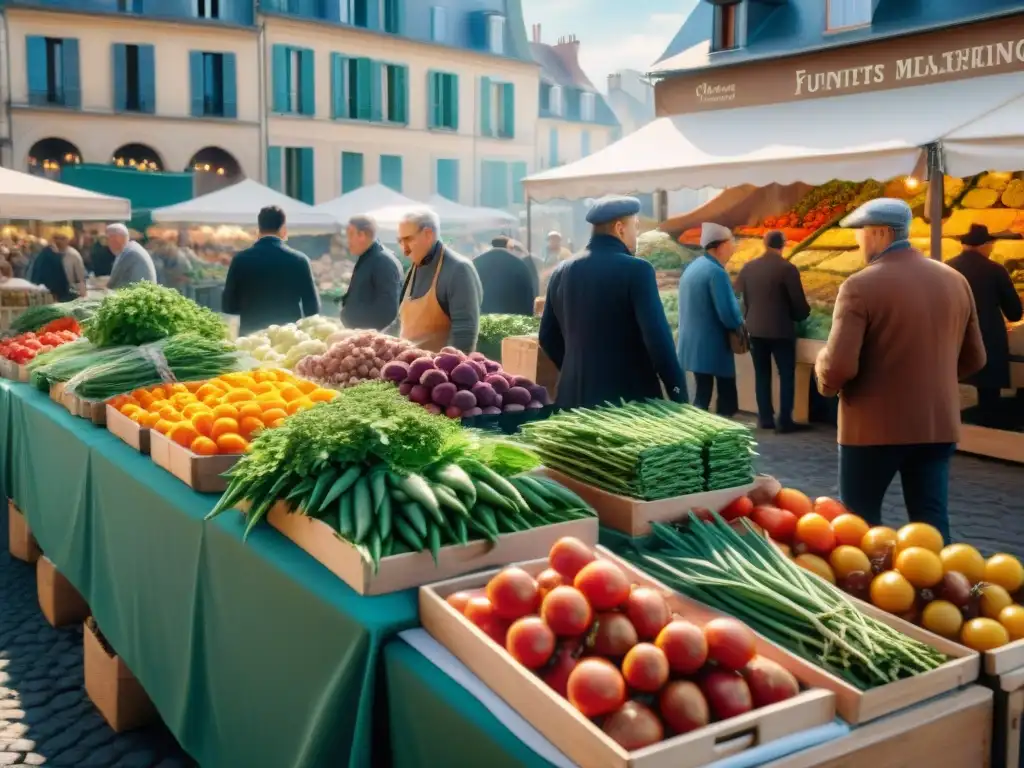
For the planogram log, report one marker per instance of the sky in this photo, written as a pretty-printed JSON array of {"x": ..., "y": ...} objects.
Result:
[{"x": 613, "y": 35}]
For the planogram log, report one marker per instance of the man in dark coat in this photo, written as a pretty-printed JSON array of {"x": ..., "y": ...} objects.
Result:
[
  {"x": 996, "y": 299},
  {"x": 603, "y": 326},
  {"x": 375, "y": 288},
  {"x": 509, "y": 286},
  {"x": 270, "y": 283},
  {"x": 48, "y": 269},
  {"x": 773, "y": 300}
]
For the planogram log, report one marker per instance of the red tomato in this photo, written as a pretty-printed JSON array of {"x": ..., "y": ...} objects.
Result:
[
  {"x": 741, "y": 507},
  {"x": 569, "y": 555},
  {"x": 683, "y": 707},
  {"x": 731, "y": 644},
  {"x": 727, "y": 694},
  {"x": 530, "y": 641},
  {"x": 566, "y": 611},
  {"x": 633, "y": 726},
  {"x": 513, "y": 593},
  {"x": 547, "y": 580},
  {"x": 566, "y": 657},
  {"x": 603, "y": 584},
  {"x": 647, "y": 609},
  {"x": 645, "y": 668},
  {"x": 684, "y": 646},
  {"x": 829, "y": 508},
  {"x": 779, "y": 524},
  {"x": 596, "y": 688},
  {"x": 816, "y": 533},
  {"x": 459, "y": 600},
  {"x": 614, "y": 636},
  {"x": 480, "y": 611}
]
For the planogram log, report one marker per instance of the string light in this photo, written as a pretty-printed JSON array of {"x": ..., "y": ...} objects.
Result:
[
  {"x": 911, "y": 183},
  {"x": 138, "y": 165}
]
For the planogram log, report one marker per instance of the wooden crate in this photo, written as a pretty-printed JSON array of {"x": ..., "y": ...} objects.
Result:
[
  {"x": 112, "y": 687},
  {"x": 994, "y": 443},
  {"x": 63, "y": 398},
  {"x": 129, "y": 431},
  {"x": 200, "y": 473},
  {"x": 20, "y": 541},
  {"x": 634, "y": 517},
  {"x": 522, "y": 356},
  {"x": 576, "y": 736},
  {"x": 90, "y": 410},
  {"x": 12, "y": 371}
]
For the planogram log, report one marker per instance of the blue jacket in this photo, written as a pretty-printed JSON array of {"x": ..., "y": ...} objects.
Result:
[
  {"x": 604, "y": 328},
  {"x": 708, "y": 310}
]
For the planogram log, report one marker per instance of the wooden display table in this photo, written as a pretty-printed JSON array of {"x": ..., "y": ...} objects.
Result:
[
  {"x": 1008, "y": 711},
  {"x": 806, "y": 353},
  {"x": 994, "y": 443}
]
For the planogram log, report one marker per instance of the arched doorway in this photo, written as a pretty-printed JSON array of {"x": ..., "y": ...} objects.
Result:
[
  {"x": 48, "y": 156},
  {"x": 214, "y": 169},
  {"x": 138, "y": 156}
]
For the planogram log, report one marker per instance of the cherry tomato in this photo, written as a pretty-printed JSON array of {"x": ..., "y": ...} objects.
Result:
[
  {"x": 647, "y": 609},
  {"x": 604, "y": 585},
  {"x": 566, "y": 611},
  {"x": 513, "y": 593},
  {"x": 815, "y": 531},
  {"x": 530, "y": 641},
  {"x": 596, "y": 687},
  {"x": 569, "y": 555},
  {"x": 645, "y": 668},
  {"x": 731, "y": 644}
]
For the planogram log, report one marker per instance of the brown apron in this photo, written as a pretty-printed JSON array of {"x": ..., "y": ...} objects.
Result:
[{"x": 423, "y": 321}]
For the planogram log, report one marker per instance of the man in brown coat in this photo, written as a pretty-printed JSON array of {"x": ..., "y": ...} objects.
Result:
[
  {"x": 773, "y": 300},
  {"x": 904, "y": 333}
]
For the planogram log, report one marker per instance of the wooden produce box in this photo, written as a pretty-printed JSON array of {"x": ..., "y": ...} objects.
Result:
[
  {"x": 59, "y": 600},
  {"x": 200, "y": 473},
  {"x": 111, "y": 686},
  {"x": 20, "y": 541},
  {"x": 414, "y": 569},
  {"x": 522, "y": 356},
  {"x": 634, "y": 517},
  {"x": 994, "y": 443},
  {"x": 63, "y": 398},
  {"x": 538, "y": 306},
  {"x": 131, "y": 432},
  {"x": 12, "y": 371},
  {"x": 575, "y": 735},
  {"x": 1008, "y": 713},
  {"x": 90, "y": 410}
]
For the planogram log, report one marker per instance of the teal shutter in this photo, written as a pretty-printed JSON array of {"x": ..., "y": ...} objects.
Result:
[
  {"x": 486, "y": 184},
  {"x": 306, "y": 183},
  {"x": 376, "y": 92},
  {"x": 501, "y": 185},
  {"x": 518, "y": 171},
  {"x": 307, "y": 82},
  {"x": 351, "y": 171},
  {"x": 394, "y": 16},
  {"x": 71, "y": 82},
  {"x": 447, "y": 181},
  {"x": 279, "y": 63},
  {"x": 195, "y": 76},
  {"x": 229, "y": 84},
  {"x": 120, "y": 62},
  {"x": 453, "y": 102},
  {"x": 391, "y": 171},
  {"x": 339, "y": 93},
  {"x": 401, "y": 94},
  {"x": 486, "y": 129},
  {"x": 585, "y": 143},
  {"x": 508, "y": 111},
  {"x": 37, "y": 69},
  {"x": 147, "y": 78},
  {"x": 553, "y": 147},
  {"x": 274, "y": 168},
  {"x": 433, "y": 100},
  {"x": 364, "y": 89}
]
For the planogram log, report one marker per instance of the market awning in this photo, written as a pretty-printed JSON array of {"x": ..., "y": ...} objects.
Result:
[
  {"x": 239, "y": 205},
  {"x": 458, "y": 215},
  {"x": 365, "y": 201},
  {"x": 994, "y": 141},
  {"x": 854, "y": 137},
  {"x": 35, "y": 198}
]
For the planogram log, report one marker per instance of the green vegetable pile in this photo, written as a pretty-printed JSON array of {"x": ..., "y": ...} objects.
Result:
[
  {"x": 652, "y": 450},
  {"x": 670, "y": 303},
  {"x": 496, "y": 328},
  {"x": 817, "y": 326},
  {"x": 145, "y": 312},
  {"x": 745, "y": 575},
  {"x": 35, "y": 317},
  {"x": 662, "y": 250},
  {"x": 68, "y": 360},
  {"x": 391, "y": 478}
]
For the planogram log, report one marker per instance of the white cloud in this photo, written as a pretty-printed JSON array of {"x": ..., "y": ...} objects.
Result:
[{"x": 637, "y": 50}]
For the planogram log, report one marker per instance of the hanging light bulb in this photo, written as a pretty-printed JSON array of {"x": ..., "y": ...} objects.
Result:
[
  {"x": 220, "y": 171},
  {"x": 911, "y": 183}
]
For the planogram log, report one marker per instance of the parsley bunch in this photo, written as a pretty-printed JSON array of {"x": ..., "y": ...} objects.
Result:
[{"x": 145, "y": 312}]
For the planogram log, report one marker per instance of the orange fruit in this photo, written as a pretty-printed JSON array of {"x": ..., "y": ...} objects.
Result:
[
  {"x": 163, "y": 426},
  {"x": 193, "y": 386},
  {"x": 290, "y": 393},
  {"x": 230, "y": 442},
  {"x": 223, "y": 426},
  {"x": 158, "y": 393},
  {"x": 192, "y": 409},
  {"x": 204, "y": 446},
  {"x": 298, "y": 405},
  {"x": 150, "y": 420},
  {"x": 207, "y": 390},
  {"x": 203, "y": 423},
  {"x": 322, "y": 395},
  {"x": 250, "y": 426},
  {"x": 305, "y": 387},
  {"x": 1004, "y": 570},
  {"x": 238, "y": 396},
  {"x": 211, "y": 401},
  {"x": 129, "y": 409},
  {"x": 849, "y": 529},
  {"x": 250, "y": 408},
  {"x": 919, "y": 535},
  {"x": 276, "y": 404},
  {"x": 183, "y": 434},
  {"x": 274, "y": 414},
  {"x": 137, "y": 416},
  {"x": 262, "y": 387},
  {"x": 225, "y": 411}
]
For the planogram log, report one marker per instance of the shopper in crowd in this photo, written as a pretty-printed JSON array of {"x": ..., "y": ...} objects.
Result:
[
  {"x": 997, "y": 301},
  {"x": 19, "y": 260},
  {"x": 509, "y": 285},
  {"x": 904, "y": 333},
  {"x": 441, "y": 294},
  {"x": 555, "y": 252},
  {"x": 708, "y": 313},
  {"x": 132, "y": 263},
  {"x": 532, "y": 264},
  {"x": 100, "y": 258},
  {"x": 47, "y": 269},
  {"x": 375, "y": 287},
  {"x": 773, "y": 301},
  {"x": 603, "y": 325},
  {"x": 270, "y": 283},
  {"x": 74, "y": 267}
]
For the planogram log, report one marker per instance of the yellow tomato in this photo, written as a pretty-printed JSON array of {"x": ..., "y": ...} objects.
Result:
[
  {"x": 965, "y": 559},
  {"x": 919, "y": 535},
  {"x": 891, "y": 592},
  {"x": 921, "y": 567},
  {"x": 1006, "y": 571},
  {"x": 942, "y": 618},
  {"x": 984, "y": 634},
  {"x": 878, "y": 541},
  {"x": 993, "y": 600},
  {"x": 1012, "y": 617},
  {"x": 846, "y": 560},
  {"x": 816, "y": 565}
]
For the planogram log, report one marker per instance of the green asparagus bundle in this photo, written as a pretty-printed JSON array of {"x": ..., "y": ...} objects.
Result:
[{"x": 68, "y": 360}]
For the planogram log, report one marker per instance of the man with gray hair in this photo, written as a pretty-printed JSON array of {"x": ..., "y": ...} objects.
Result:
[
  {"x": 375, "y": 287},
  {"x": 442, "y": 293},
  {"x": 132, "y": 263}
]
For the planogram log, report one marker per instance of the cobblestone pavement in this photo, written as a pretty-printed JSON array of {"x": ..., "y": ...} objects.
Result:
[{"x": 46, "y": 718}]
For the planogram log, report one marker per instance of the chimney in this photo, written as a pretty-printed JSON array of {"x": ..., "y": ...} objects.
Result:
[
  {"x": 568, "y": 48},
  {"x": 536, "y": 33}
]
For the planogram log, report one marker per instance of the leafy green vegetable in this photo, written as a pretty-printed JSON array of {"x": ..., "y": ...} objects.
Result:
[
  {"x": 34, "y": 318},
  {"x": 145, "y": 312},
  {"x": 496, "y": 328},
  {"x": 662, "y": 251},
  {"x": 817, "y": 325}
]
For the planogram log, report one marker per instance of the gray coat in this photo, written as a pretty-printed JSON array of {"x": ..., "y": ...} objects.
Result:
[
  {"x": 133, "y": 265},
  {"x": 373, "y": 291}
]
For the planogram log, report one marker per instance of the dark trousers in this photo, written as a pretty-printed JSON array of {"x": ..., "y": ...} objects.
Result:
[
  {"x": 865, "y": 472},
  {"x": 728, "y": 399},
  {"x": 761, "y": 353},
  {"x": 989, "y": 406}
]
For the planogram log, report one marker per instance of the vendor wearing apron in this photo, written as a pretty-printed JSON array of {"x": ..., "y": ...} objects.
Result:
[{"x": 442, "y": 292}]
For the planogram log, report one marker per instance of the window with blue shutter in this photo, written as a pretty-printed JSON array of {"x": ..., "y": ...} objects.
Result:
[
  {"x": 364, "y": 89},
  {"x": 120, "y": 70},
  {"x": 351, "y": 171},
  {"x": 274, "y": 161},
  {"x": 339, "y": 86},
  {"x": 496, "y": 34},
  {"x": 229, "y": 85},
  {"x": 38, "y": 70},
  {"x": 377, "y": 94},
  {"x": 507, "y": 126},
  {"x": 307, "y": 82},
  {"x": 396, "y": 88},
  {"x": 846, "y": 14},
  {"x": 196, "y": 81},
  {"x": 438, "y": 25},
  {"x": 444, "y": 100},
  {"x": 146, "y": 74},
  {"x": 494, "y": 186},
  {"x": 70, "y": 80},
  {"x": 279, "y": 77},
  {"x": 585, "y": 143},
  {"x": 553, "y": 147},
  {"x": 52, "y": 68},
  {"x": 486, "y": 105},
  {"x": 446, "y": 182},
  {"x": 391, "y": 171},
  {"x": 212, "y": 78},
  {"x": 307, "y": 191},
  {"x": 393, "y": 13},
  {"x": 518, "y": 173}
]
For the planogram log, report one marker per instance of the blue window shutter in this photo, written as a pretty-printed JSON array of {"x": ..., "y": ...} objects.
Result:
[
  {"x": 72, "y": 83},
  {"x": 447, "y": 181},
  {"x": 433, "y": 99},
  {"x": 486, "y": 129},
  {"x": 195, "y": 69},
  {"x": 508, "y": 111},
  {"x": 364, "y": 86},
  {"x": 438, "y": 32},
  {"x": 306, "y": 188},
  {"x": 376, "y": 91},
  {"x": 147, "y": 78},
  {"x": 36, "y": 67},
  {"x": 391, "y": 171},
  {"x": 120, "y": 69},
  {"x": 501, "y": 185},
  {"x": 339, "y": 95},
  {"x": 488, "y": 184},
  {"x": 585, "y": 143},
  {"x": 374, "y": 19},
  {"x": 274, "y": 168},
  {"x": 279, "y": 57},
  {"x": 518, "y": 171},
  {"x": 230, "y": 84},
  {"x": 395, "y": 16},
  {"x": 553, "y": 147},
  {"x": 401, "y": 94},
  {"x": 351, "y": 171},
  {"x": 307, "y": 82},
  {"x": 453, "y": 108}
]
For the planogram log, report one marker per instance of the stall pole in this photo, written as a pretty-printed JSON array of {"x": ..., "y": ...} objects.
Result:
[
  {"x": 936, "y": 198},
  {"x": 529, "y": 226},
  {"x": 661, "y": 205}
]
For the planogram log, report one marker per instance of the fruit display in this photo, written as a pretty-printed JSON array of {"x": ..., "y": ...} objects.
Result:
[
  {"x": 23, "y": 348},
  {"x": 463, "y": 386},
  {"x": 221, "y": 415},
  {"x": 283, "y": 346},
  {"x": 652, "y": 450},
  {"x": 356, "y": 357},
  {"x": 616, "y": 650},
  {"x": 391, "y": 478}
]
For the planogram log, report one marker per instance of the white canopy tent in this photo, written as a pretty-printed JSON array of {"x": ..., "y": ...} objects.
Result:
[
  {"x": 465, "y": 216},
  {"x": 364, "y": 200},
  {"x": 994, "y": 141},
  {"x": 239, "y": 204},
  {"x": 35, "y": 198}
]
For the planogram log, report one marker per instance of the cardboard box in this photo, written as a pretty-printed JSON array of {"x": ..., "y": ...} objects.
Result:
[
  {"x": 200, "y": 473},
  {"x": 60, "y": 396},
  {"x": 20, "y": 541},
  {"x": 111, "y": 686},
  {"x": 634, "y": 517},
  {"x": 91, "y": 410},
  {"x": 59, "y": 600},
  {"x": 522, "y": 356},
  {"x": 12, "y": 371},
  {"x": 131, "y": 432},
  {"x": 538, "y": 305},
  {"x": 414, "y": 569},
  {"x": 576, "y": 736}
]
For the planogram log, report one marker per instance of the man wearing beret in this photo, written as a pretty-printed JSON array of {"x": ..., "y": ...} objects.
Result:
[
  {"x": 904, "y": 333},
  {"x": 603, "y": 325}
]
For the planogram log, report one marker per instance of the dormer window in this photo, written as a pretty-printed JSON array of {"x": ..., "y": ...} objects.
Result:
[
  {"x": 587, "y": 106},
  {"x": 555, "y": 100},
  {"x": 725, "y": 21},
  {"x": 438, "y": 24},
  {"x": 848, "y": 14},
  {"x": 496, "y": 34},
  {"x": 206, "y": 9}
]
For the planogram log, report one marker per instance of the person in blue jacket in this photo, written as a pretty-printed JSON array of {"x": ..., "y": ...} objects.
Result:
[
  {"x": 603, "y": 325},
  {"x": 708, "y": 311}
]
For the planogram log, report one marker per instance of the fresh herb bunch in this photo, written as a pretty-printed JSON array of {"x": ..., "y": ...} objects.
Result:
[
  {"x": 75, "y": 357},
  {"x": 145, "y": 312}
]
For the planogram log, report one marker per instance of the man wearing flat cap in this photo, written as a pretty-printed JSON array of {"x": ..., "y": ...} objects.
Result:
[
  {"x": 603, "y": 324},
  {"x": 904, "y": 333},
  {"x": 997, "y": 301},
  {"x": 708, "y": 313}
]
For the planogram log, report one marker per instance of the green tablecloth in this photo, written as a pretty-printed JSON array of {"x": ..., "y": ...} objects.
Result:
[{"x": 254, "y": 654}]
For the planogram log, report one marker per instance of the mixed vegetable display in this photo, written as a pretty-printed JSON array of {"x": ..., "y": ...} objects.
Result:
[
  {"x": 283, "y": 346},
  {"x": 355, "y": 357}
]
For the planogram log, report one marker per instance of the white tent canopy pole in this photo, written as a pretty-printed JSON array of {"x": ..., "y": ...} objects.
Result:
[{"x": 35, "y": 198}]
